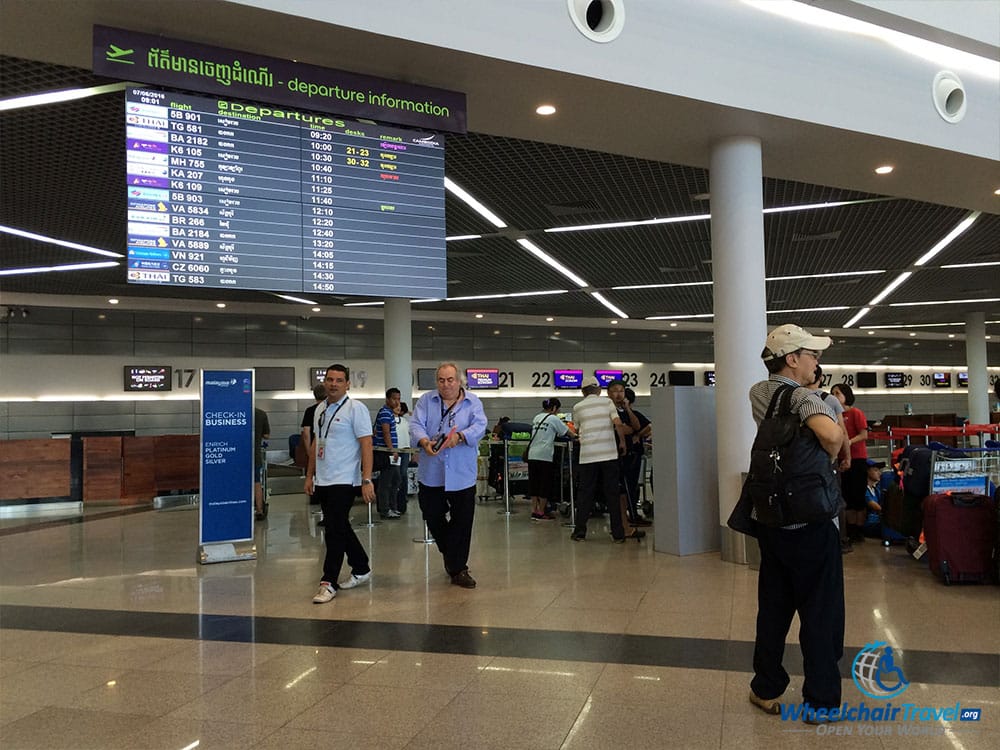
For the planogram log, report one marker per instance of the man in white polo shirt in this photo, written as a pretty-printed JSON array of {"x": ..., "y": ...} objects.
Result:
[
  {"x": 339, "y": 463},
  {"x": 596, "y": 421}
]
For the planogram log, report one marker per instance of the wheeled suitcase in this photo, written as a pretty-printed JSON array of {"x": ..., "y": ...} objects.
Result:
[{"x": 961, "y": 532}]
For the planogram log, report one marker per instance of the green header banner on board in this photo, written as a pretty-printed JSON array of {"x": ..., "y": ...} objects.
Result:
[{"x": 134, "y": 56}]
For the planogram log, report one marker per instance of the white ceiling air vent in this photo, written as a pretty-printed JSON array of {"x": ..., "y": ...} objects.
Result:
[
  {"x": 598, "y": 20},
  {"x": 949, "y": 96}
]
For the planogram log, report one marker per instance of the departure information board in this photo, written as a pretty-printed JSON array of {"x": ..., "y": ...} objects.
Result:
[{"x": 230, "y": 195}]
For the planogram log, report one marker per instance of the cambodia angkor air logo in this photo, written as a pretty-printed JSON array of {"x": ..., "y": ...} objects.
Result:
[{"x": 875, "y": 674}]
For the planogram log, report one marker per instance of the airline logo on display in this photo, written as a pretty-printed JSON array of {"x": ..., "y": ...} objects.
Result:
[
  {"x": 139, "y": 145},
  {"x": 154, "y": 276}
]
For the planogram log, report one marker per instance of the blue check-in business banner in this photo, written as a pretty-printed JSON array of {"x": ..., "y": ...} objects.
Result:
[{"x": 227, "y": 456}]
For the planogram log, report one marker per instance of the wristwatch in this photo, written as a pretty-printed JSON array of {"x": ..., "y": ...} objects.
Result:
[{"x": 366, "y": 481}]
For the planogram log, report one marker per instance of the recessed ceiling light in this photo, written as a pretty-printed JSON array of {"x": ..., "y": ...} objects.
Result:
[
  {"x": 673, "y": 325},
  {"x": 102, "y": 316},
  {"x": 112, "y": 301},
  {"x": 701, "y": 196},
  {"x": 549, "y": 320},
  {"x": 430, "y": 328},
  {"x": 913, "y": 334},
  {"x": 951, "y": 335},
  {"x": 826, "y": 330},
  {"x": 996, "y": 192},
  {"x": 871, "y": 333},
  {"x": 884, "y": 169},
  {"x": 283, "y": 322},
  {"x": 987, "y": 337},
  {"x": 359, "y": 326},
  {"x": 614, "y": 322},
  {"x": 479, "y": 315},
  {"x": 545, "y": 109},
  {"x": 496, "y": 332},
  {"x": 316, "y": 309},
  {"x": 220, "y": 305},
  {"x": 555, "y": 333}
]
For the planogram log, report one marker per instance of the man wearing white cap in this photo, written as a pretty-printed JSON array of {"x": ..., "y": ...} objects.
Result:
[{"x": 801, "y": 568}]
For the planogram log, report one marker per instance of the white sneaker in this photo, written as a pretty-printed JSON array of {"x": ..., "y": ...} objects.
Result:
[
  {"x": 325, "y": 594},
  {"x": 393, "y": 514},
  {"x": 356, "y": 580}
]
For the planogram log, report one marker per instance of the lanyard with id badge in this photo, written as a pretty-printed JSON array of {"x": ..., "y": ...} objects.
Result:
[
  {"x": 321, "y": 436},
  {"x": 441, "y": 437}
]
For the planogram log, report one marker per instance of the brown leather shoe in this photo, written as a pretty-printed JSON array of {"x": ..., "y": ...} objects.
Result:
[{"x": 464, "y": 580}]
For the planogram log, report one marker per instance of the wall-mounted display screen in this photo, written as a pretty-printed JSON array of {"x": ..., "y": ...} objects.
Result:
[
  {"x": 147, "y": 378},
  {"x": 606, "y": 376},
  {"x": 316, "y": 375},
  {"x": 482, "y": 378},
  {"x": 867, "y": 380},
  {"x": 895, "y": 380},
  {"x": 236, "y": 196},
  {"x": 567, "y": 378},
  {"x": 275, "y": 378},
  {"x": 426, "y": 378},
  {"x": 680, "y": 377},
  {"x": 942, "y": 380},
  {"x": 709, "y": 377},
  {"x": 963, "y": 380}
]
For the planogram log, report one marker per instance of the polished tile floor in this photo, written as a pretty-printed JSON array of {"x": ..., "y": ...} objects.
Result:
[{"x": 111, "y": 636}]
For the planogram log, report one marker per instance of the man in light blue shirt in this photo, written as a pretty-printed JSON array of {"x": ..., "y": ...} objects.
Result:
[
  {"x": 340, "y": 463},
  {"x": 447, "y": 426}
]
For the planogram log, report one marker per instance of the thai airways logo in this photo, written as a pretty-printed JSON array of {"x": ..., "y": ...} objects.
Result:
[{"x": 875, "y": 674}]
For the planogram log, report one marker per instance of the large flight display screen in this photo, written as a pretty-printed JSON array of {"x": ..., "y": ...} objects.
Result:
[{"x": 230, "y": 195}]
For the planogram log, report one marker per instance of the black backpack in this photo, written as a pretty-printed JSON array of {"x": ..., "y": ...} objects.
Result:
[{"x": 791, "y": 478}]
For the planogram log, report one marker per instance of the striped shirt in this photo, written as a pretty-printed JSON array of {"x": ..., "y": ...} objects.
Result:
[{"x": 594, "y": 418}]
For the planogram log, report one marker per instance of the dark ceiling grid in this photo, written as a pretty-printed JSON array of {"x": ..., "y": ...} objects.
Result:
[{"x": 61, "y": 175}]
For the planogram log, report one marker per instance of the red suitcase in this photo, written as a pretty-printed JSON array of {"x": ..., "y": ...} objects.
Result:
[{"x": 960, "y": 530}]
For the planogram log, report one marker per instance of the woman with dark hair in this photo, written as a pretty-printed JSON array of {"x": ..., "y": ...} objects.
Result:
[
  {"x": 855, "y": 479},
  {"x": 545, "y": 428}
]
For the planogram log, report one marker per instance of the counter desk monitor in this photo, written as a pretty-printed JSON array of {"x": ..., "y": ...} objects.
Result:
[
  {"x": 147, "y": 378},
  {"x": 942, "y": 380},
  {"x": 963, "y": 380},
  {"x": 867, "y": 379},
  {"x": 606, "y": 376},
  {"x": 275, "y": 378},
  {"x": 896, "y": 380},
  {"x": 709, "y": 377},
  {"x": 482, "y": 378},
  {"x": 680, "y": 377},
  {"x": 317, "y": 375},
  {"x": 567, "y": 379},
  {"x": 283, "y": 202},
  {"x": 426, "y": 379}
]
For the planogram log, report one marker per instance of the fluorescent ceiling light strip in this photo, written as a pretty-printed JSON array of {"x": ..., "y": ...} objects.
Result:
[
  {"x": 809, "y": 309},
  {"x": 829, "y": 204},
  {"x": 896, "y": 283},
  {"x": 916, "y": 325},
  {"x": 824, "y": 275},
  {"x": 861, "y": 313},
  {"x": 944, "y": 302},
  {"x": 623, "y": 224},
  {"x": 458, "y": 237},
  {"x": 296, "y": 299},
  {"x": 678, "y": 317},
  {"x": 507, "y": 295},
  {"x": 474, "y": 204},
  {"x": 972, "y": 265},
  {"x": 963, "y": 225},
  {"x": 547, "y": 259},
  {"x": 663, "y": 286},
  {"x": 60, "y": 243},
  {"x": 53, "y": 97},
  {"x": 705, "y": 217},
  {"x": 604, "y": 301},
  {"x": 66, "y": 267},
  {"x": 363, "y": 304}
]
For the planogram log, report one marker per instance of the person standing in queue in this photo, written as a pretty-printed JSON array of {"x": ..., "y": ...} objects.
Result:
[
  {"x": 801, "y": 568},
  {"x": 447, "y": 425},
  {"x": 545, "y": 428},
  {"x": 387, "y": 460},
  {"x": 855, "y": 479},
  {"x": 306, "y": 433},
  {"x": 340, "y": 466}
]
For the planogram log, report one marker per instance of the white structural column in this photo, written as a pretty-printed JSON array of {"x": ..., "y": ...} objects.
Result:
[
  {"x": 975, "y": 356},
  {"x": 736, "y": 184},
  {"x": 399, "y": 348}
]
